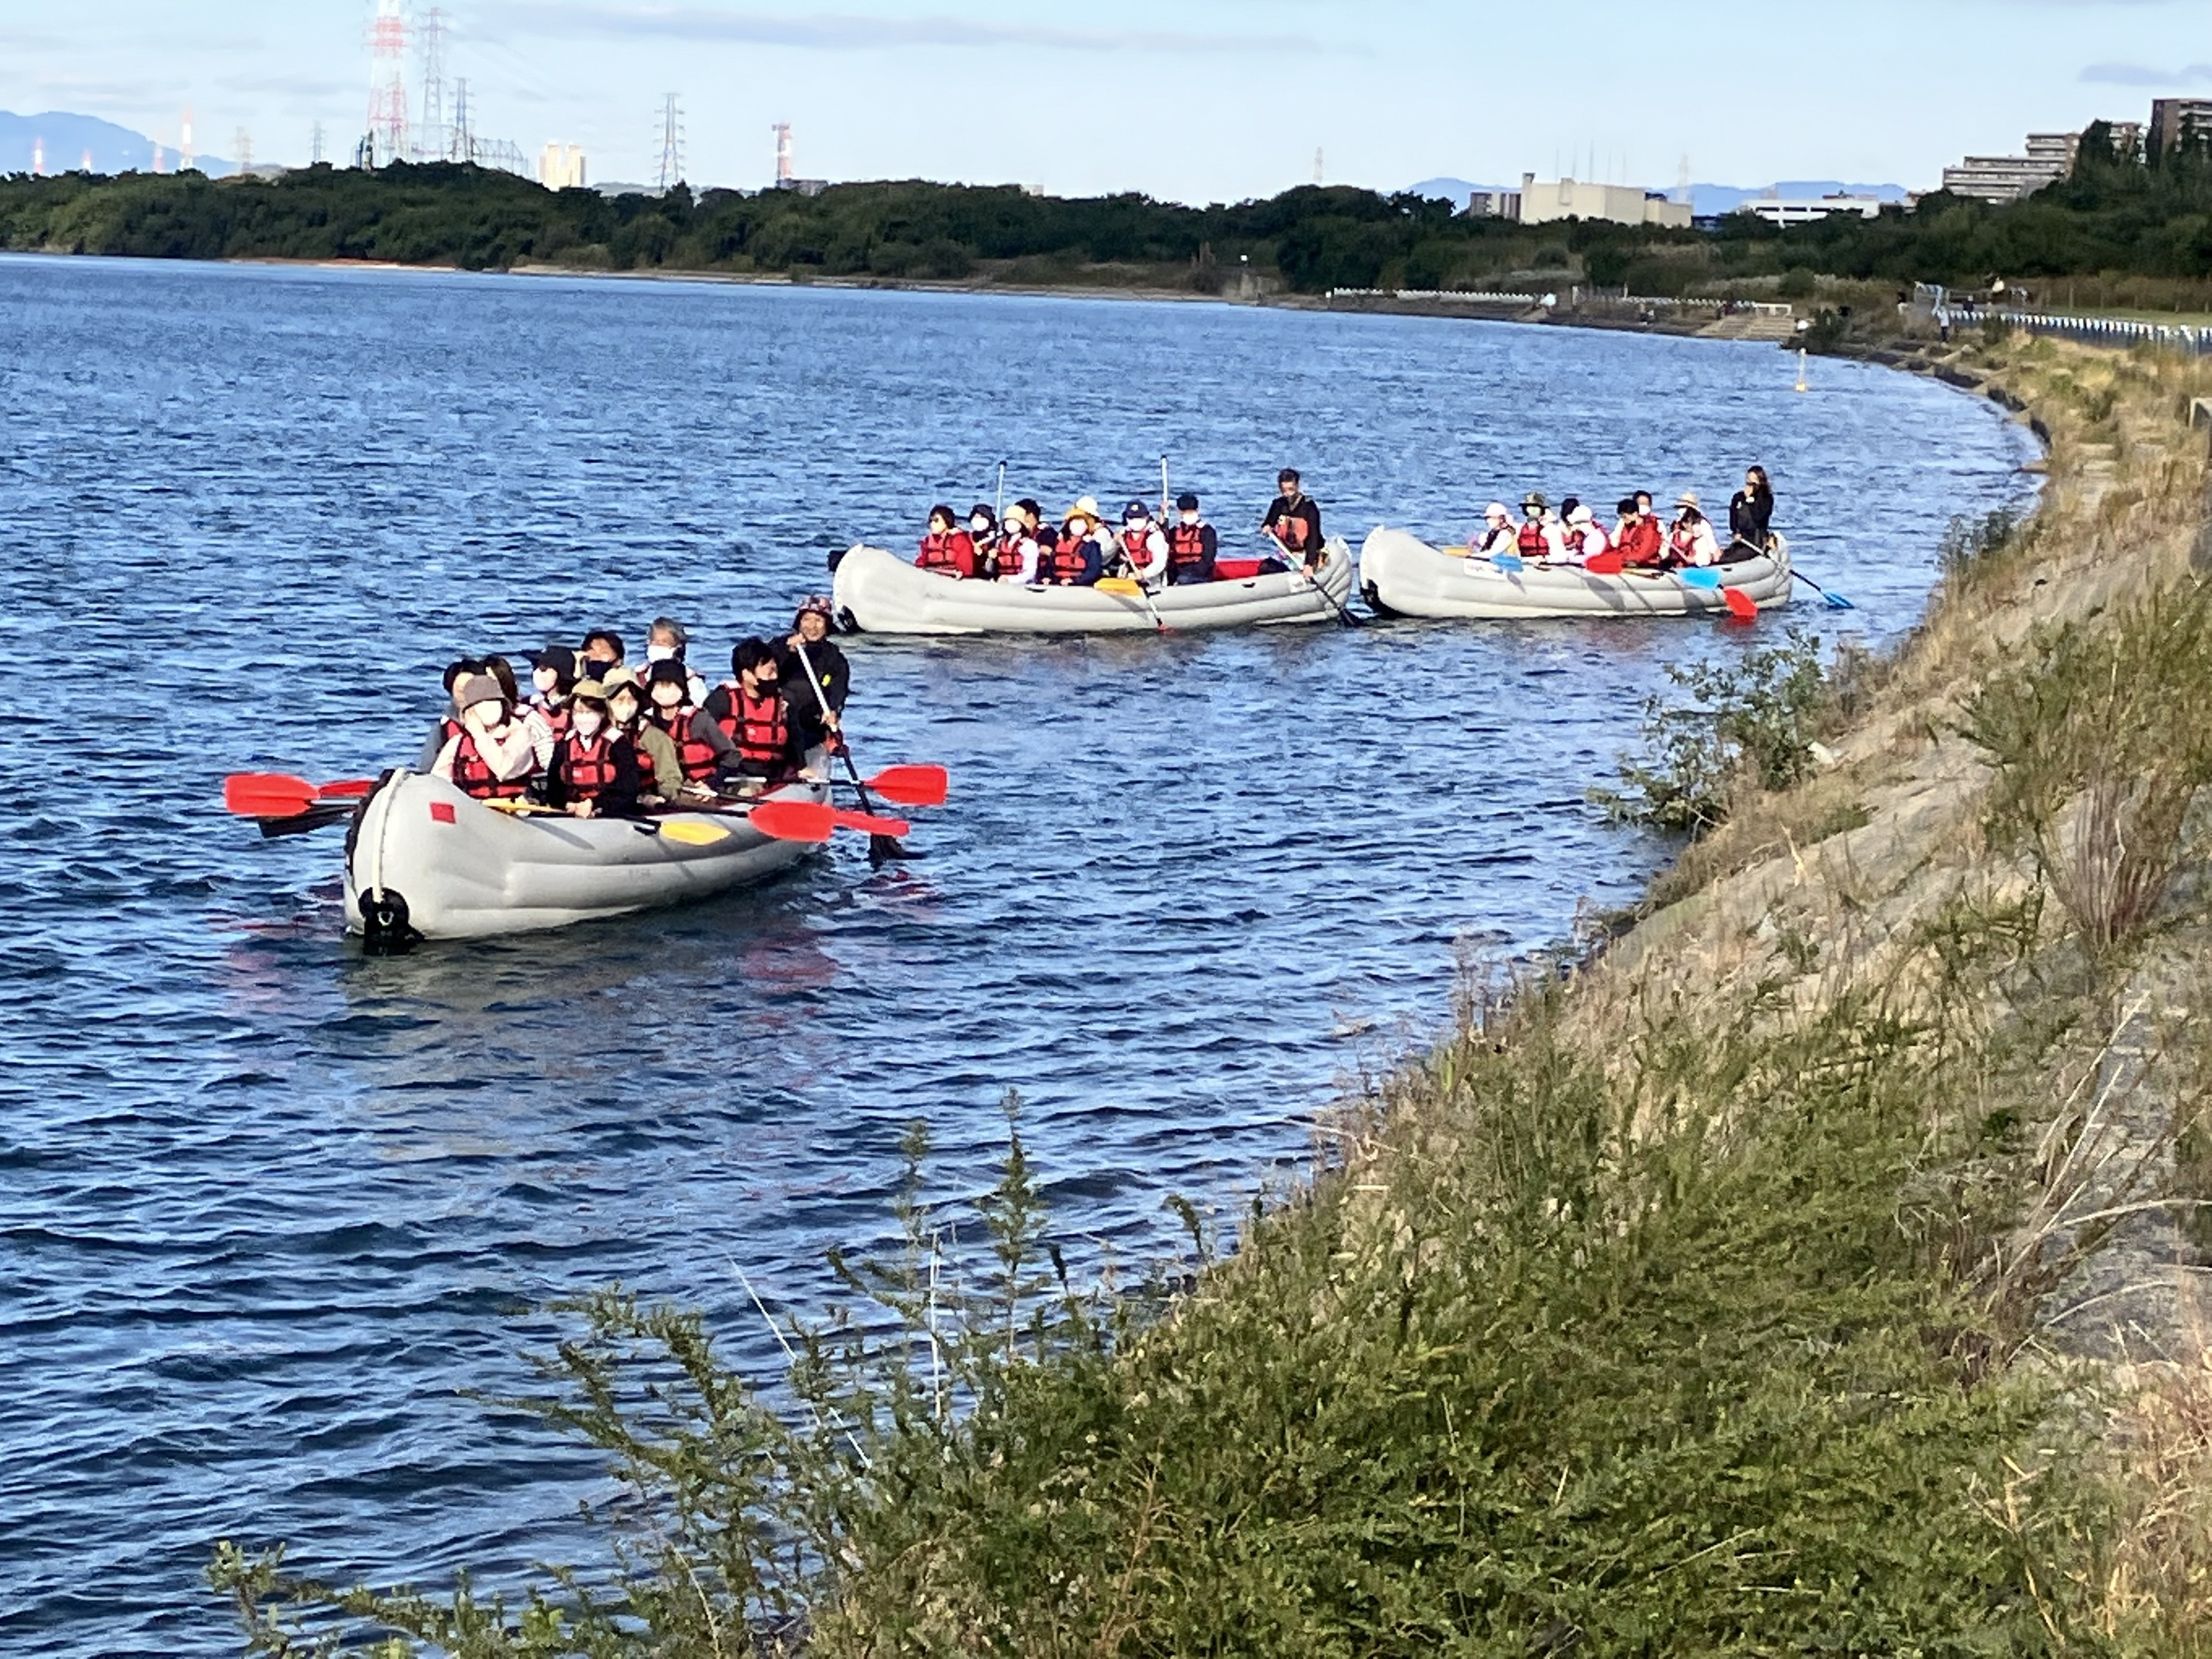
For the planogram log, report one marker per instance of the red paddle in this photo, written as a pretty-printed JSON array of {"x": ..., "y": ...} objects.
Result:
[
  {"x": 280, "y": 795},
  {"x": 911, "y": 786},
  {"x": 794, "y": 820},
  {"x": 1603, "y": 564},
  {"x": 1740, "y": 604},
  {"x": 845, "y": 818}
]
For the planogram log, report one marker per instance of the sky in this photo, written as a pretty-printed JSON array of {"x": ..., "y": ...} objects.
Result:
[{"x": 1188, "y": 99}]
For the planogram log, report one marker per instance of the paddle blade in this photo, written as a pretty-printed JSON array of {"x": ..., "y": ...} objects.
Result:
[
  {"x": 794, "y": 820},
  {"x": 1604, "y": 564},
  {"x": 346, "y": 789},
  {"x": 912, "y": 786},
  {"x": 1835, "y": 601},
  {"x": 298, "y": 824},
  {"x": 1699, "y": 576},
  {"x": 1120, "y": 585},
  {"x": 1740, "y": 604},
  {"x": 1511, "y": 563},
  {"x": 690, "y": 833},
  {"x": 266, "y": 794},
  {"x": 846, "y": 818}
]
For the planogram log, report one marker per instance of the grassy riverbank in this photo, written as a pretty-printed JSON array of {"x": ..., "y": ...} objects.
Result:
[{"x": 1806, "y": 1274}]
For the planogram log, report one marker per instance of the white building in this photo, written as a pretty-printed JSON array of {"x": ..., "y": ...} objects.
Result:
[
  {"x": 561, "y": 166},
  {"x": 1780, "y": 210},
  {"x": 1622, "y": 205},
  {"x": 2002, "y": 179}
]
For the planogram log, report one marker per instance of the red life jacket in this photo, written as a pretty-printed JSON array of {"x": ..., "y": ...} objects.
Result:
[
  {"x": 1683, "y": 539},
  {"x": 693, "y": 753},
  {"x": 758, "y": 726},
  {"x": 1639, "y": 542},
  {"x": 1186, "y": 546},
  {"x": 1006, "y": 554},
  {"x": 1291, "y": 531},
  {"x": 1063, "y": 562},
  {"x": 555, "y": 718},
  {"x": 1136, "y": 542},
  {"x": 586, "y": 766},
  {"x": 953, "y": 553},
  {"x": 473, "y": 776},
  {"x": 1531, "y": 542}
]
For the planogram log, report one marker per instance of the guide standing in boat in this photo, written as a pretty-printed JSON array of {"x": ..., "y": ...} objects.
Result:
[
  {"x": 1294, "y": 521},
  {"x": 809, "y": 643},
  {"x": 1751, "y": 512}
]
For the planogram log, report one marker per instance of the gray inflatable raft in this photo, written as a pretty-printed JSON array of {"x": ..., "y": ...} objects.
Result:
[
  {"x": 879, "y": 592},
  {"x": 1400, "y": 573},
  {"x": 424, "y": 860}
]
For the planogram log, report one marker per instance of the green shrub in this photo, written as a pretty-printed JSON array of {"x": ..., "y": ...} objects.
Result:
[
  {"x": 1752, "y": 722},
  {"x": 1798, "y": 283}
]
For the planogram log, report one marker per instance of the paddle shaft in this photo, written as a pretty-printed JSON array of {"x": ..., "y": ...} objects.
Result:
[
  {"x": 1344, "y": 617},
  {"x": 880, "y": 847}
]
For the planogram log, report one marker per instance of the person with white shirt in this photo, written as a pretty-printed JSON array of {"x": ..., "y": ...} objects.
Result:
[
  {"x": 1585, "y": 536},
  {"x": 1015, "y": 558},
  {"x": 1692, "y": 540},
  {"x": 1142, "y": 546},
  {"x": 490, "y": 756}
]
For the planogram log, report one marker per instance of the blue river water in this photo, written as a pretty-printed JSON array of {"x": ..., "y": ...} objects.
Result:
[{"x": 266, "y": 1207}]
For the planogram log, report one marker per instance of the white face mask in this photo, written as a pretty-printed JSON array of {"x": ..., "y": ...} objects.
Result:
[
  {"x": 660, "y": 653},
  {"x": 1190, "y": 518},
  {"x": 588, "y": 722},
  {"x": 979, "y": 526},
  {"x": 668, "y": 705}
]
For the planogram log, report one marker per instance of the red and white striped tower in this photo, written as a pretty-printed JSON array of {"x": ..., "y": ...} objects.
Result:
[{"x": 387, "y": 85}]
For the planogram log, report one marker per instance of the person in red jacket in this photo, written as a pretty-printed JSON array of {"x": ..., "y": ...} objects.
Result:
[
  {"x": 704, "y": 752},
  {"x": 595, "y": 774},
  {"x": 947, "y": 549},
  {"x": 1637, "y": 537},
  {"x": 752, "y": 713}
]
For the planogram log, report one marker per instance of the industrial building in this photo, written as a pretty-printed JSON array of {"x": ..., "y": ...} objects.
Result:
[
  {"x": 561, "y": 166},
  {"x": 1542, "y": 203}
]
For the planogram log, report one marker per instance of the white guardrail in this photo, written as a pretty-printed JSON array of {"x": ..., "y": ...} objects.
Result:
[
  {"x": 1576, "y": 297},
  {"x": 2090, "y": 330}
]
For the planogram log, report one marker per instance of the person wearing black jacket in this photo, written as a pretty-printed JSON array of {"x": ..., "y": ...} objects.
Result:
[
  {"x": 756, "y": 711},
  {"x": 1294, "y": 521},
  {"x": 1751, "y": 512},
  {"x": 811, "y": 628},
  {"x": 594, "y": 771}
]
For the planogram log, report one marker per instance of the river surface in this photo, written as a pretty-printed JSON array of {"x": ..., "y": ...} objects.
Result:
[{"x": 266, "y": 1207}]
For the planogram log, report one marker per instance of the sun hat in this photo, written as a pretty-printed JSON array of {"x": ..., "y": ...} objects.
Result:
[
  {"x": 588, "y": 691},
  {"x": 1580, "y": 515},
  {"x": 615, "y": 678},
  {"x": 1534, "y": 498},
  {"x": 1087, "y": 505},
  {"x": 1496, "y": 510},
  {"x": 1689, "y": 498}
]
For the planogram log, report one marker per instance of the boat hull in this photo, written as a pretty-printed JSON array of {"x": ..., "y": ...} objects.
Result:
[
  {"x": 879, "y": 592},
  {"x": 461, "y": 869},
  {"x": 1401, "y": 573}
]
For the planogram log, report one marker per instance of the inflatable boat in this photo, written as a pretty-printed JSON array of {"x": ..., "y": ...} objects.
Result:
[
  {"x": 424, "y": 861},
  {"x": 1401, "y": 574},
  {"x": 878, "y": 592}
]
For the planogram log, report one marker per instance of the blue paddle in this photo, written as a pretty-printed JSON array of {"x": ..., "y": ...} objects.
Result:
[
  {"x": 1697, "y": 575},
  {"x": 1835, "y": 601},
  {"x": 1511, "y": 563}
]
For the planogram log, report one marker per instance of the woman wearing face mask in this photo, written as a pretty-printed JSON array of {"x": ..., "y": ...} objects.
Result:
[
  {"x": 661, "y": 774},
  {"x": 946, "y": 548},
  {"x": 702, "y": 752},
  {"x": 982, "y": 535},
  {"x": 1015, "y": 559},
  {"x": 594, "y": 772},
  {"x": 1192, "y": 545},
  {"x": 553, "y": 681},
  {"x": 667, "y": 642},
  {"x": 489, "y": 757}
]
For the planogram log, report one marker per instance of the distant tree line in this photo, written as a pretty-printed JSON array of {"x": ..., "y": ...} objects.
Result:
[{"x": 2115, "y": 215}]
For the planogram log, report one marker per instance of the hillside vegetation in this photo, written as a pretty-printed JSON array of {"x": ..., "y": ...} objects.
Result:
[
  {"x": 1801, "y": 1274},
  {"x": 2142, "y": 232}
]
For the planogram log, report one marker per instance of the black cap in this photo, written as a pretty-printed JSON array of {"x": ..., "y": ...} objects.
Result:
[
  {"x": 558, "y": 658},
  {"x": 1135, "y": 510},
  {"x": 669, "y": 671},
  {"x": 1186, "y": 502}
]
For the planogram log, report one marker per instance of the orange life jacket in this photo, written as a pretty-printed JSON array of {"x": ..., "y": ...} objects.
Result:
[
  {"x": 586, "y": 766},
  {"x": 1186, "y": 547},
  {"x": 1531, "y": 542},
  {"x": 953, "y": 552},
  {"x": 473, "y": 776},
  {"x": 1064, "y": 562},
  {"x": 759, "y": 726}
]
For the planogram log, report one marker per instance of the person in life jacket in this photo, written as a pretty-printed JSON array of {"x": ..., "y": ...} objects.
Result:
[
  {"x": 819, "y": 721},
  {"x": 1496, "y": 535},
  {"x": 1014, "y": 559},
  {"x": 666, "y": 641},
  {"x": 704, "y": 752},
  {"x": 1141, "y": 550},
  {"x": 489, "y": 757},
  {"x": 1539, "y": 538},
  {"x": 983, "y": 537},
  {"x": 1076, "y": 558},
  {"x": 661, "y": 774},
  {"x": 594, "y": 772},
  {"x": 1692, "y": 541},
  {"x": 1294, "y": 521},
  {"x": 601, "y": 654},
  {"x": 448, "y": 725},
  {"x": 1585, "y": 536},
  {"x": 946, "y": 548},
  {"x": 553, "y": 683},
  {"x": 1192, "y": 545},
  {"x": 755, "y": 715},
  {"x": 1638, "y": 536}
]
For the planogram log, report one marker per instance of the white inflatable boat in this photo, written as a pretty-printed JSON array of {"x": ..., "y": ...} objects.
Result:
[
  {"x": 879, "y": 592},
  {"x": 424, "y": 861},
  {"x": 1401, "y": 574}
]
